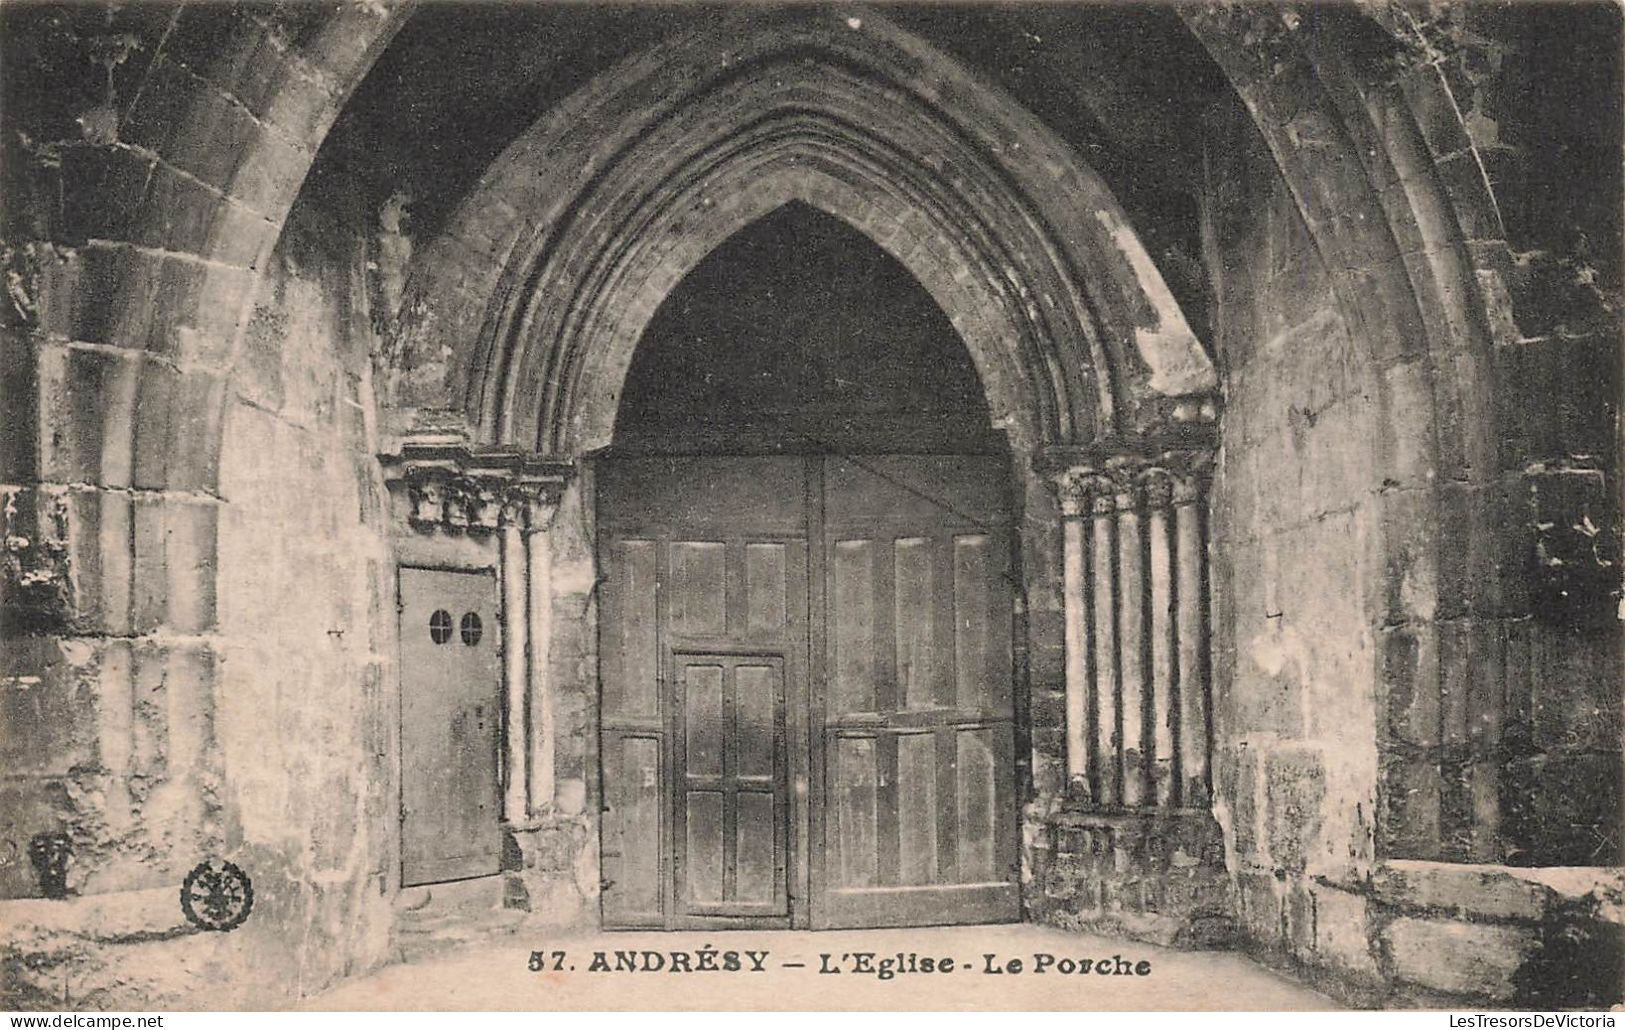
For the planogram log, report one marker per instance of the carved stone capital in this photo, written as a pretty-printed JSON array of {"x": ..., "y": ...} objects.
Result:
[
  {"x": 1191, "y": 471},
  {"x": 1080, "y": 488},
  {"x": 450, "y": 486},
  {"x": 1101, "y": 481},
  {"x": 1124, "y": 472},
  {"x": 532, "y": 505},
  {"x": 1158, "y": 485}
]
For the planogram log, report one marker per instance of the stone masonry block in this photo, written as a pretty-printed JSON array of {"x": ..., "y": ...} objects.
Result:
[
  {"x": 1409, "y": 676},
  {"x": 1458, "y": 958},
  {"x": 48, "y": 706},
  {"x": 87, "y": 399},
  {"x": 231, "y": 48},
  {"x": 99, "y": 559},
  {"x": 103, "y": 187},
  {"x": 1295, "y": 788}
]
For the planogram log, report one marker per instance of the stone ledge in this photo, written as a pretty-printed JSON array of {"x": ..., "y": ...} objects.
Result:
[
  {"x": 1458, "y": 958},
  {"x": 1497, "y": 893},
  {"x": 121, "y": 916},
  {"x": 1445, "y": 934}
]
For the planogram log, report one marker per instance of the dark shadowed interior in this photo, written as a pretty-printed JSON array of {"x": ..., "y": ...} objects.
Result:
[{"x": 799, "y": 334}]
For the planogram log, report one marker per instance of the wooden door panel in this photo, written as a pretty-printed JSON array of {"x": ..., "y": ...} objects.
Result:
[
  {"x": 918, "y": 720},
  {"x": 908, "y": 746},
  {"x": 703, "y": 725},
  {"x": 978, "y": 756},
  {"x": 632, "y": 841},
  {"x": 698, "y": 597},
  {"x": 918, "y": 809},
  {"x": 853, "y": 788},
  {"x": 758, "y": 861},
  {"x": 450, "y": 722},
  {"x": 630, "y": 649},
  {"x": 916, "y": 490},
  {"x": 715, "y": 850},
  {"x": 701, "y": 864},
  {"x": 852, "y": 626},
  {"x": 766, "y": 588},
  {"x": 759, "y": 721},
  {"x": 914, "y": 621},
  {"x": 703, "y": 498},
  {"x": 981, "y": 622}
]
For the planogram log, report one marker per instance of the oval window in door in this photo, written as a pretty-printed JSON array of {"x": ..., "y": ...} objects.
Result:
[
  {"x": 471, "y": 628},
  {"x": 440, "y": 626}
]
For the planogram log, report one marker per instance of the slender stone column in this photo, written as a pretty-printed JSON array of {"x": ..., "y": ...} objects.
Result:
[
  {"x": 1131, "y": 629},
  {"x": 539, "y": 551},
  {"x": 1076, "y": 489},
  {"x": 1108, "y": 758},
  {"x": 1078, "y": 673},
  {"x": 1136, "y": 619},
  {"x": 1162, "y": 678},
  {"x": 486, "y": 493},
  {"x": 1192, "y": 621},
  {"x": 527, "y": 568},
  {"x": 515, "y": 626}
]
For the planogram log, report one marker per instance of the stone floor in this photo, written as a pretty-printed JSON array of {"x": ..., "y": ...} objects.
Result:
[{"x": 496, "y": 977}]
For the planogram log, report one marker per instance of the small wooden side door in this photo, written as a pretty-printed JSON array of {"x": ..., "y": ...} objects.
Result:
[
  {"x": 916, "y": 801},
  {"x": 732, "y": 807},
  {"x": 450, "y": 725}
]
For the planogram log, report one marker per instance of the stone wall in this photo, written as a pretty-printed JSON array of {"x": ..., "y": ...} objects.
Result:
[
  {"x": 558, "y": 879},
  {"x": 1150, "y": 875},
  {"x": 226, "y": 694},
  {"x": 1297, "y": 544},
  {"x": 1383, "y": 693},
  {"x": 1413, "y": 282},
  {"x": 306, "y": 711}
]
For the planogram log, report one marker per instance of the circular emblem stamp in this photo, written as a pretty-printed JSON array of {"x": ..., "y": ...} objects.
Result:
[{"x": 217, "y": 895}]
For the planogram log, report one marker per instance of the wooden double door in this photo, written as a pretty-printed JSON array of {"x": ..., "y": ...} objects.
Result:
[{"x": 807, "y": 713}]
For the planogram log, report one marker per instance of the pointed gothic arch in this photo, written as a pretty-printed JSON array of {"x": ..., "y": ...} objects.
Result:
[{"x": 573, "y": 238}]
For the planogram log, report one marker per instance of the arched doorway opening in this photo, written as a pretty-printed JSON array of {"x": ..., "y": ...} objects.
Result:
[
  {"x": 805, "y": 546},
  {"x": 1079, "y": 357}
]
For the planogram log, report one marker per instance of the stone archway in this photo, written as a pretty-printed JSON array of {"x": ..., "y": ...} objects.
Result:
[
  {"x": 136, "y": 299},
  {"x": 1073, "y": 330},
  {"x": 1082, "y": 352}
]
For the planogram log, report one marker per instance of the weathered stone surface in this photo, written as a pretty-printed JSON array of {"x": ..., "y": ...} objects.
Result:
[
  {"x": 1458, "y": 958},
  {"x": 1496, "y": 892},
  {"x": 1295, "y": 793},
  {"x": 1154, "y": 877},
  {"x": 1416, "y": 526},
  {"x": 1342, "y": 933}
]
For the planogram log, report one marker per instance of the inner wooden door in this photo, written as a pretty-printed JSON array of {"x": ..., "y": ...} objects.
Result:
[
  {"x": 731, "y": 808},
  {"x": 703, "y": 645},
  {"x": 913, "y": 704},
  {"x": 450, "y": 718},
  {"x": 796, "y": 735}
]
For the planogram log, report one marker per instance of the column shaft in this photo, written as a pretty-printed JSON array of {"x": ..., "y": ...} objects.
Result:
[
  {"x": 1164, "y": 662},
  {"x": 1077, "y": 654},
  {"x": 1131, "y": 629},
  {"x": 515, "y": 808},
  {"x": 1106, "y": 758},
  {"x": 540, "y": 552},
  {"x": 1192, "y": 629}
]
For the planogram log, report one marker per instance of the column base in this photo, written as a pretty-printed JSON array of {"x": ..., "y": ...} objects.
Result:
[
  {"x": 551, "y": 869},
  {"x": 1155, "y": 876}
]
